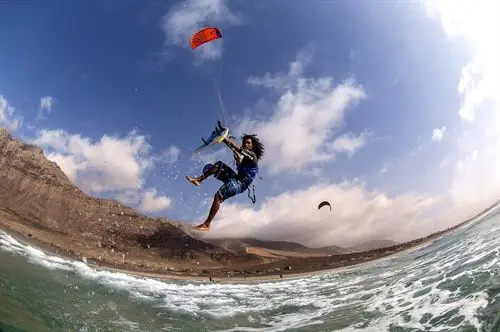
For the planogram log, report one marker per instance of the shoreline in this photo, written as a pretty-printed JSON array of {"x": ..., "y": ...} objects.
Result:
[
  {"x": 50, "y": 250},
  {"x": 165, "y": 276},
  {"x": 264, "y": 278},
  {"x": 40, "y": 238}
]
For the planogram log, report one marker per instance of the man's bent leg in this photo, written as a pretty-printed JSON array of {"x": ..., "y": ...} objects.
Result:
[
  {"x": 229, "y": 189},
  {"x": 213, "y": 211},
  {"x": 211, "y": 171}
]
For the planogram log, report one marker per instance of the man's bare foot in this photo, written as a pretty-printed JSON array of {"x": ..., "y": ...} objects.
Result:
[
  {"x": 202, "y": 227},
  {"x": 193, "y": 180}
]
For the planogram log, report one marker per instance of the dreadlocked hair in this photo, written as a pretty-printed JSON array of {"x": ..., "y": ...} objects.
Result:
[{"x": 258, "y": 147}]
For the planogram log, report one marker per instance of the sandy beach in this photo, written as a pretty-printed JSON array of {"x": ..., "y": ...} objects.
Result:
[{"x": 224, "y": 275}]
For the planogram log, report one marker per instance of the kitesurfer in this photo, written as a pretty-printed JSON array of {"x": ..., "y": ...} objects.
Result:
[{"x": 247, "y": 157}]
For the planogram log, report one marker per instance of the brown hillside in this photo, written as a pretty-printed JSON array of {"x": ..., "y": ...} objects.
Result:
[
  {"x": 374, "y": 244},
  {"x": 275, "y": 249}
]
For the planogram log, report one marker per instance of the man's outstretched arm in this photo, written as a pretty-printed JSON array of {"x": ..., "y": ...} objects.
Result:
[{"x": 236, "y": 148}]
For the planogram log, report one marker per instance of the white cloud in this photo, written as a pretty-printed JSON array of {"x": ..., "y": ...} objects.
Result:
[
  {"x": 112, "y": 163},
  {"x": 308, "y": 114},
  {"x": 477, "y": 24},
  {"x": 477, "y": 162},
  {"x": 357, "y": 215},
  {"x": 386, "y": 167},
  {"x": 349, "y": 143},
  {"x": 146, "y": 201},
  {"x": 189, "y": 16},
  {"x": 70, "y": 165},
  {"x": 474, "y": 155},
  {"x": 438, "y": 133},
  {"x": 476, "y": 171},
  {"x": 283, "y": 82},
  {"x": 170, "y": 155},
  {"x": 7, "y": 117},
  {"x": 46, "y": 104},
  {"x": 151, "y": 202},
  {"x": 129, "y": 196}
]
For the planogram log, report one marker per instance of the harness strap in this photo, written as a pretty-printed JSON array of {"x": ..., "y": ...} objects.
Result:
[{"x": 252, "y": 198}]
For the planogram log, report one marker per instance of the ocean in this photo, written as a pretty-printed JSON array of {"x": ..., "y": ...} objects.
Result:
[{"x": 451, "y": 284}]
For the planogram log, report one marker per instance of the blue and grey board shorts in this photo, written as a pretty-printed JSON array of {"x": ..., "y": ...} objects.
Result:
[{"x": 232, "y": 185}]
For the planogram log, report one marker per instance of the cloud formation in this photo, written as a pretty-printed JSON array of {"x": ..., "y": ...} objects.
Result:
[
  {"x": 151, "y": 202},
  {"x": 189, "y": 16},
  {"x": 45, "y": 106},
  {"x": 7, "y": 117},
  {"x": 480, "y": 77},
  {"x": 349, "y": 143},
  {"x": 113, "y": 164},
  {"x": 438, "y": 133},
  {"x": 307, "y": 119},
  {"x": 358, "y": 214},
  {"x": 475, "y": 171}
]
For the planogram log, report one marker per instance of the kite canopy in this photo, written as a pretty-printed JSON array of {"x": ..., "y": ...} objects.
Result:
[
  {"x": 324, "y": 203},
  {"x": 204, "y": 36}
]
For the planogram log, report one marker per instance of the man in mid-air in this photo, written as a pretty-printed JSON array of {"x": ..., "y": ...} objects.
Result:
[{"x": 247, "y": 157}]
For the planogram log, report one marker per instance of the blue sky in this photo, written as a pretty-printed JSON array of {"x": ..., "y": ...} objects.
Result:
[{"x": 357, "y": 102}]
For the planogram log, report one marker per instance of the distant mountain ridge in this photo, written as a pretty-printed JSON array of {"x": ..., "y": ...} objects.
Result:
[
  {"x": 373, "y": 244},
  {"x": 242, "y": 245}
]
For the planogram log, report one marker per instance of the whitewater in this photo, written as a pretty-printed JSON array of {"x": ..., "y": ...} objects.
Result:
[{"x": 450, "y": 284}]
